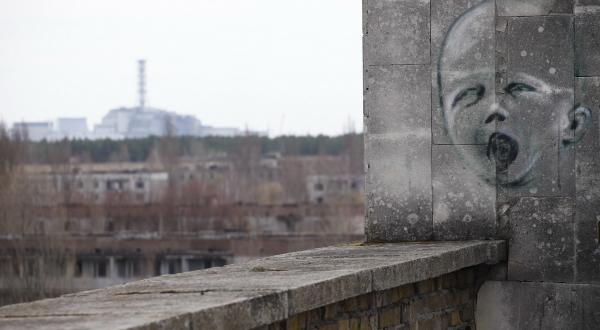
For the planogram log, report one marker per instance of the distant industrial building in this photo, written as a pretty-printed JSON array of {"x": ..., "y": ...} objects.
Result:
[
  {"x": 126, "y": 122},
  {"x": 143, "y": 121},
  {"x": 72, "y": 128},
  {"x": 35, "y": 131}
]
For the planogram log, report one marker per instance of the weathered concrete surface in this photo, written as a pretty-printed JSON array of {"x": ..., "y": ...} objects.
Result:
[
  {"x": 587, "y": 2},
  {"x": 587, "y": 203},
  {"x": 398, "y": 99},
  {"x": 541, "y": 246},
  {"x": 464, "y": 205},
  {"x": 537, "y": 306},
  {"x": 534, "y": 7},
  {"x": 398, "y": 188},
  {"x": 398, "y": 180},
  {"x": 252, "y": 294},
  {"x": 397, "y": 32},
  {"x": 443, "y": 15},
  {"x": 466, "y": 59},
  {"x": 536, "y": 48},
  {"x": 587, "y": 44}
]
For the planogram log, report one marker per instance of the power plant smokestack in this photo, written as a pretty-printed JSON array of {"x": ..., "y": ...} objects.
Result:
[{"x": 142, "y": 83}]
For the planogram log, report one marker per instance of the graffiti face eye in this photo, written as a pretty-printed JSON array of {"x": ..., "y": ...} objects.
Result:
[
  {"x": 515, "y": 88},
  {"x": 469, "y": 96}
]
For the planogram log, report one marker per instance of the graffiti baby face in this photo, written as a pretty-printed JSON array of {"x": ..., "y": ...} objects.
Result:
[{"x": 520, "y": 124}]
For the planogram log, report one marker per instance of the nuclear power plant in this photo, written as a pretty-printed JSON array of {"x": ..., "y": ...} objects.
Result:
[{"x": 126, "y": 122}]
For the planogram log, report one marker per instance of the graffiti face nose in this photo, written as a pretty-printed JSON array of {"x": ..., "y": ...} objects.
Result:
[{"x": 504, "y": 149}]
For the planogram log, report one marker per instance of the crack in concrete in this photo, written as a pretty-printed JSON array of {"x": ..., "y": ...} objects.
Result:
[
  {"x": 264, "y": 269},
  {"x": 24, "y": 316},
  {"x": 201, "y": 292}
]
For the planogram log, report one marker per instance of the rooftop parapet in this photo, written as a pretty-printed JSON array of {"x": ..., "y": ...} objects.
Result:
[{"x": 257, "y": 293}]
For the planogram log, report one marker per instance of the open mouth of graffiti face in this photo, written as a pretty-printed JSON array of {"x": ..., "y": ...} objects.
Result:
[{"x": 504, "y": 149}]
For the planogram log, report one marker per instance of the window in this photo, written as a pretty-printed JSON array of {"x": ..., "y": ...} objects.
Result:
[
  {"x": 92, "y": 267},
  {"x": 102, "y": 267},
  {"x": 175, "y": 266},
  {"x": 114, "y": 185},
  {"x": 139, "y": 184},
  {"x": 219, "y": 262},
  {"x": 196, "y": 264},
  {"x": 170, "y": 265},
  {"x": 78, "y": 268},
  {"x": 129, "y": 267},
  {"x": 319, "y": 186},
  {"x": 203, "y": 263}
]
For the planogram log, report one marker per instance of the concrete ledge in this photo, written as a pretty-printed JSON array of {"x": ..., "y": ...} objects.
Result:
[{"x": 257, "y": 293}]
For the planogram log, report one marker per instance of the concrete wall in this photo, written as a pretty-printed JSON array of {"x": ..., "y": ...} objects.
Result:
[
  {"x": 537, "y": 306},
  {"x": 482, "y": 122},
  {"x": 445, "y": 302}
]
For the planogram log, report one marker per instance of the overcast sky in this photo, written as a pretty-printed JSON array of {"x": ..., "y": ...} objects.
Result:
[{"x": 291, "y": 66}]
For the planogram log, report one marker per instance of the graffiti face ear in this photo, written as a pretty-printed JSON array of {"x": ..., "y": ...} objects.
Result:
[{"x": 579, "y": 121}]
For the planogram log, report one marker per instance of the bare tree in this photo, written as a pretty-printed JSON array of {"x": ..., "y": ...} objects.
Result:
[
  {"x": 32, "y": 262},
  {"x": 246, "y": 161}
]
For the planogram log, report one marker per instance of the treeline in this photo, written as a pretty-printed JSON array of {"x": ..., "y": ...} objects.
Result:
[{"x": 140, "y": 150}]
